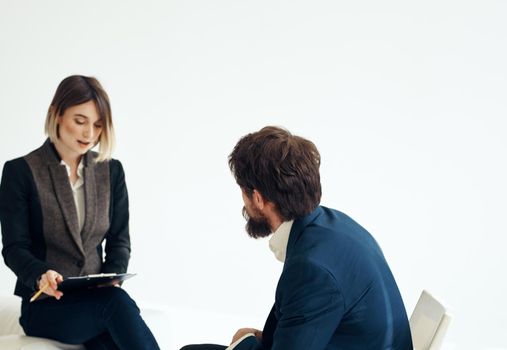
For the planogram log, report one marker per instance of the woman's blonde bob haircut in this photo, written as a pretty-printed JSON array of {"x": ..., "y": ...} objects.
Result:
[{"x": 73, "y": 91}]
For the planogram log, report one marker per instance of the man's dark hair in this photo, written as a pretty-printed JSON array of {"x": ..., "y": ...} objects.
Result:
[{"x": 283, "y": 167}]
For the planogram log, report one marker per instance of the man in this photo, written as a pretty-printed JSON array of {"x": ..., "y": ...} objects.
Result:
[{"x": 336, "y": 290}]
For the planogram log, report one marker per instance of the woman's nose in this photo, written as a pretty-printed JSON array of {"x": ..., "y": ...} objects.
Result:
[{"x": 88, "y": 132}]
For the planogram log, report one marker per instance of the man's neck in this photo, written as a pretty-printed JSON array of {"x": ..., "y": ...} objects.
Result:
[{"x": 274, "y": 219}]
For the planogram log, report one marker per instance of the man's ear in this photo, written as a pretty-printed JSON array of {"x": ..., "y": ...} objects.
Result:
[{"x": 258, "y": 199}]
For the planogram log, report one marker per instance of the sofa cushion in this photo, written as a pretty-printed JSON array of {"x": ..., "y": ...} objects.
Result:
[
  {"x": 12, "y": 336},
  {"x": 10, "y": 309},
  {"x": 23, "y": 342}
]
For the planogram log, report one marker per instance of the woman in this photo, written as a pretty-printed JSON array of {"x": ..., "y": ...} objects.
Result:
[{"x": 57, "y": 206}]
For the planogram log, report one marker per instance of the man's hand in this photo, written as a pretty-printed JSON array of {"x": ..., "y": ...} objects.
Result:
[
  {"x": 240, "y": 333},
  {"x": 51, "y": 279}
]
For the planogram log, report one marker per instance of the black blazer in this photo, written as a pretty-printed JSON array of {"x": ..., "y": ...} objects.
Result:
[{"x": 39, "y": 218}]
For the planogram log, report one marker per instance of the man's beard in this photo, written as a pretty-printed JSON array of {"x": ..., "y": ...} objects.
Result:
[{"x": 257, "y": 227}]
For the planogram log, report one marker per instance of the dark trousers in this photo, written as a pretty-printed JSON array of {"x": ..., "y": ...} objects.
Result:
[
  {"x": 204, "y": 347},
  {"x": 101, "y": 319}
]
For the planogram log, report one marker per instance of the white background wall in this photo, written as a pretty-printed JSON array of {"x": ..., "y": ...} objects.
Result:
[{"x": 405, "y": 100}]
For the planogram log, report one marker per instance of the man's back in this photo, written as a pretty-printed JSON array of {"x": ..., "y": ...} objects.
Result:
[{"x": 336, "y": 290}]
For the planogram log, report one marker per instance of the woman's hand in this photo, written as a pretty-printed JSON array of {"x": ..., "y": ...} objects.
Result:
[{"x": 51, "y": 279}]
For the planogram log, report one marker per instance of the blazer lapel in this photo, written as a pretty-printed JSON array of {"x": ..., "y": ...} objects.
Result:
[
  {"x": 65, "y": 199},
  {"x": 269, "y": 329},
  {"x": 90, "y": 188}
]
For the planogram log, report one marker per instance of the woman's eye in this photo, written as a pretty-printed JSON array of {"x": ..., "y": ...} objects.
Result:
[
  {"x": 79, "y": 122},
  {"x": 98, "y": 126}
]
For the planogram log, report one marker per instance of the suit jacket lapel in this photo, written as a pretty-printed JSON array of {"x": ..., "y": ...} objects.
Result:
[
  {"x": 63, "y": 191},
  {"x": 65, "y": 198},
  {"x": 269, "y": 329},
  {"x": 297, "y": 229},
  {"x": 90, "y": 188}
]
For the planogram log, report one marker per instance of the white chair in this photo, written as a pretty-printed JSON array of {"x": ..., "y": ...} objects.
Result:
[{"x": 429, "y": 323}]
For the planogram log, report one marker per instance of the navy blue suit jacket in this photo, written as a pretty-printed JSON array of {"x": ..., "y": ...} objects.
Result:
[{"x": 336, "y": 291}]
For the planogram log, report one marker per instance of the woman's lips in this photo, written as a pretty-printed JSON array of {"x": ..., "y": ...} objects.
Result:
[{"x": 83, "y": 143}]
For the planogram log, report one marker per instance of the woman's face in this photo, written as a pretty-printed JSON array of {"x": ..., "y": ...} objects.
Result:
[{"x": 79, "y": 129}]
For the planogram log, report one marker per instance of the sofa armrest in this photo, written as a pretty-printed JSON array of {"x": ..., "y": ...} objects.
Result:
[{"x": 10, "y": 309}]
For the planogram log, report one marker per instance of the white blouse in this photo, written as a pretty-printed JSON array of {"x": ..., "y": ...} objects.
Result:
[{"x": 78, "y": 192}]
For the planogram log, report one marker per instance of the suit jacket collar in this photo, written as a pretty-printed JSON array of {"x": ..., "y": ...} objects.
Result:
[
  {"x": 298, "y": 227},
  {"x": 296, "y": 231},
  {"x": 50, "y": 153},
  {"x": 64, "y": 195},
  {"x": 52, "y": 156}
]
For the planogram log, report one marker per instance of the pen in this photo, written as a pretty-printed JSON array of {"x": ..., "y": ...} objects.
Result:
[{"x": 39, "y": 292}]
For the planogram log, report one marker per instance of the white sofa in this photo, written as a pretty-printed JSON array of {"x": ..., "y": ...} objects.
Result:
[
  {"x": 12, "y": 336},
  {"x": 173, "y": 326}
]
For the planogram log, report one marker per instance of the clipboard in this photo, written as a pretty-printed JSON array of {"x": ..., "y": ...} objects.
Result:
[{"x": 93, "y": 281}]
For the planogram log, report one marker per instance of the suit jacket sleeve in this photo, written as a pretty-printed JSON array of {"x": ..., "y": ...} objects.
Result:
[
  {"x": 249, "y": 343},
  {"x": 15, "y": 196},
  {"x": 118, "y": 238},
  {"x": 310, "y": 307}
]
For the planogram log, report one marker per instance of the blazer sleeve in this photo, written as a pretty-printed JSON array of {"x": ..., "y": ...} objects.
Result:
[
  {"x": 249, "y": 343},
  {"x": 310, "y": 306},
  {"x": 117, "y": 247},
  {"x": 15, "y": 196}
]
